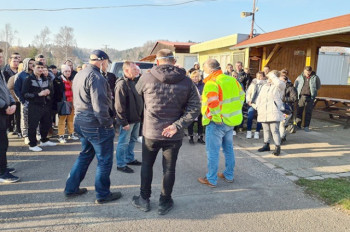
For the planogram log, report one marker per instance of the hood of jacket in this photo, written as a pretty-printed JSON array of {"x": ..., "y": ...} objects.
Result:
[
  {"x": 168, "y": 74},
  {"x": 26, "y": 64}
]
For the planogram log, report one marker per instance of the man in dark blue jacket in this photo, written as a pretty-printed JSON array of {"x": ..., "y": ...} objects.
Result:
[
  {"x": 28, "y": 64},
  {"x": 94, "y": 126}
]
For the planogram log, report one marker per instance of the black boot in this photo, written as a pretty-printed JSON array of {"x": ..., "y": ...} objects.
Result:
[
  {"x": 266, "y": 147},
  {"x": 283, "y": 139},
  {"x": 200, "y": 140},
  {"x": 191, "y": 140},
  {"x": 277, "y": 150}
]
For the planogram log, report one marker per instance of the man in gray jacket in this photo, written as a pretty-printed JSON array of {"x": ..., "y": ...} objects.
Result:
[
  {"x": 7, "y": 107},
  {"x": 94, "y": 125},
  {"x": 307, "y": 85},
  {"x": 171, "y": 103}
]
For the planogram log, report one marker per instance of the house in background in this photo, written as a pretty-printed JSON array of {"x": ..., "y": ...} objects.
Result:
[
  {"x": 296, "y": 47},
  {"x": 181, "y": 52},
  {"x": 219, "y": 49}
]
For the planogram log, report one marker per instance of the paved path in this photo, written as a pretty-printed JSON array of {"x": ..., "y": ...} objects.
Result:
[
  {"x": 322, "y": 153},
  {"x": 260, "y": 199}
]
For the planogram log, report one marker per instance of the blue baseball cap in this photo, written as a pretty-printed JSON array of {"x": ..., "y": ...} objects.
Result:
[{"x": 99, "y": 55}]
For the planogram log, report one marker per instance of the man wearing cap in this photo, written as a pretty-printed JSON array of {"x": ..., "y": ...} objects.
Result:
[
  {"x": 94, "y": 126},
  {"x": 171, "y": 103}
]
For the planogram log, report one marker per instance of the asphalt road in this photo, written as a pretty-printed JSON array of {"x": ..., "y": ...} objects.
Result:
[{"x": 260, "y": 199}]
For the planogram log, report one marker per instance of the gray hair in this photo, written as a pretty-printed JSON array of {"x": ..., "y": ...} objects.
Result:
[{"x": 213, "y": 64}]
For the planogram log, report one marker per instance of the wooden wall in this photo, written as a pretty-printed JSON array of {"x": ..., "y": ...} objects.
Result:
[
  {"x": 335, "y": 91},
  {"x": 285, "y": 58}
]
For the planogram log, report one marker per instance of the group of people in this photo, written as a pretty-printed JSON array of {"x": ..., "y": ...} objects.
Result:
[
  {"x": 164, "y": 101},
  {"x": 273, "y": 100}
]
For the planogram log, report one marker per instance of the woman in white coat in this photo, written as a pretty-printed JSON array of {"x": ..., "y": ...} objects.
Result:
[{"x": 269, "y": 105}]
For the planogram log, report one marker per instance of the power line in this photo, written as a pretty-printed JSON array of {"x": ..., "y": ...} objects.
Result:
[
  {"x": 108, "y": 7},
  {"x": 260, "y": 28}
]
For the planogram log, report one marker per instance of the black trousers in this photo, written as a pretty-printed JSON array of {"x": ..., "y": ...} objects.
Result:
[
  {"x": 150, "y": 149},
  {"x": 36, "y": 114},
  {"x": 199, "y": 126},
  {"x": 305, "y": 103},
  {"x": 4, "y": 143}
]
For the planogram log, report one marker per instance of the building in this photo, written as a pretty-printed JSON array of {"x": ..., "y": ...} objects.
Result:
[
  {"x": 296, "y": 47},
  {"x": 181, "y": 52},
  {"x": 219, "y": 49}
]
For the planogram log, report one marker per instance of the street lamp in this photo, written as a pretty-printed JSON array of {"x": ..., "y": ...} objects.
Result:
[{"x": 247, "y": 14}]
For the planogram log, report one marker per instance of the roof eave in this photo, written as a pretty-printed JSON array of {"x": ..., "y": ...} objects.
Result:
[{"x": 298, "y": 37}]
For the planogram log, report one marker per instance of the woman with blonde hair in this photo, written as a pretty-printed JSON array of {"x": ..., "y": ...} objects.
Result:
[{"x": 63, "y": 92}]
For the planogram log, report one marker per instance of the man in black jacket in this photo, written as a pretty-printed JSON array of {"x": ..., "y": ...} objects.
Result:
[
  {"x": 171, "y": 104},
  {"x": 128, "y": 106},
  {"x": 37, "y": 90},
  {"x": 7, "y": 107}
]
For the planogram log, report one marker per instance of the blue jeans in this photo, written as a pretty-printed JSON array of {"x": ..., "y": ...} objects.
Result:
[
  {"x": 126, "y": 144},
  {"x": 251, "y": 112},
  {"x": 215, "y": 137},
  {"x": 94, "y": 141}
]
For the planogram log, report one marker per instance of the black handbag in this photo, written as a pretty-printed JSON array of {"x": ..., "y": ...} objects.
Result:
[{"x": 64, "y": 107}]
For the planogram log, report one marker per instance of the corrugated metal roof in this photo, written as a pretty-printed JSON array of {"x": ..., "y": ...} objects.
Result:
[{"x": 336, "y": 25}]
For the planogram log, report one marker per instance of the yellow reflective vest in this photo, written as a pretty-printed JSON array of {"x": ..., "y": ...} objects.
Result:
[{"x": 222, "y": 101}]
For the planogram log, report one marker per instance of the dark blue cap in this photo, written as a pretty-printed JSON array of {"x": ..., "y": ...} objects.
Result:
[{"x": 99, "y": 55}]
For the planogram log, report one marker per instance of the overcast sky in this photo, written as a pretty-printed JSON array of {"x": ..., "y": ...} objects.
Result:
[{"x": 123, "y": 28}]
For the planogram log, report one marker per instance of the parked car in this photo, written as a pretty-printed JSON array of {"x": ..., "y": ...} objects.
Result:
[{"x": 117, "y": 67}]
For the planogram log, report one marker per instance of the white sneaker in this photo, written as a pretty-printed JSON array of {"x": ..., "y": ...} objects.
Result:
[
  {"x": 48, "y": 144},
  {"x": 36, "y": 148},
  {"x": 61, "y": 139},
  {"x": 139, "y": 139},
  {"x": 256, "y": 135},
  {"x": 73, "y": 137},
  {"x": 249, "y": 135},
  {"x": 26, "y": 140},
  {"x": 234, "y": 132}
]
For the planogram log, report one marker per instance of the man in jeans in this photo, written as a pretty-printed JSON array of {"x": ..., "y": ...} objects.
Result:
[
  {"x": 7, "y": 107},
  {"x": 171, "y": 104},
  {"x": 94, "y": 126},
  {"x": 128, "y": 106},
  {"x": 222, "y": 101}
]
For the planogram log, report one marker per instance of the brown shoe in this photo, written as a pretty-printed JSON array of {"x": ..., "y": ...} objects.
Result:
[
  {"x": 204, "y": 180},
  {"x": 222, "y": 176}
]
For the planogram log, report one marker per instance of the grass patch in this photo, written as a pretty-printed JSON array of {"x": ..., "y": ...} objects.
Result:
[{"x": 331, "y": 191}]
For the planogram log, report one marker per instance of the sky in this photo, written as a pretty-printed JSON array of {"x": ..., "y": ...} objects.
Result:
[{"x": 128, "y": 27}]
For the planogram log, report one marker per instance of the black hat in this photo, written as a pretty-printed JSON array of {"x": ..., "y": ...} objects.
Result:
[{"x": 99, "y": 55}]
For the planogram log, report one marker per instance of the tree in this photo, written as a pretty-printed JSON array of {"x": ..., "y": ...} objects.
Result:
[
  {"x": 8, "y": 36},
  {"x": 65, "y": 42},
  {"x": 42, "y": 41}
]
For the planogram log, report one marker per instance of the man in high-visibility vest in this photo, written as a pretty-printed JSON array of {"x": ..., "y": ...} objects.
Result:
[{"x": 222, "y": 101}]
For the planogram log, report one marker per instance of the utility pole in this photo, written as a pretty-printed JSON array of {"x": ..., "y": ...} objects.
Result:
[{"x": 253, "y": 18}]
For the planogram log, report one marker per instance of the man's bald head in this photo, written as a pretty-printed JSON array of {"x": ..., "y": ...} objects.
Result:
[
  {"x": 211, "y": 65},
  {"x": 165, "y": 56}
]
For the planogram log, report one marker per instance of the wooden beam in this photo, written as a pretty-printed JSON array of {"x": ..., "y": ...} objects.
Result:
[
  {"x": 311, "y": 54},
  {"x": 273, "y": 52},
  {"x": 263, "y": 61}
]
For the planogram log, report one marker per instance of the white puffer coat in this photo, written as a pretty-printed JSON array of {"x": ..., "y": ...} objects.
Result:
[{"x": 269, "y": 102}]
